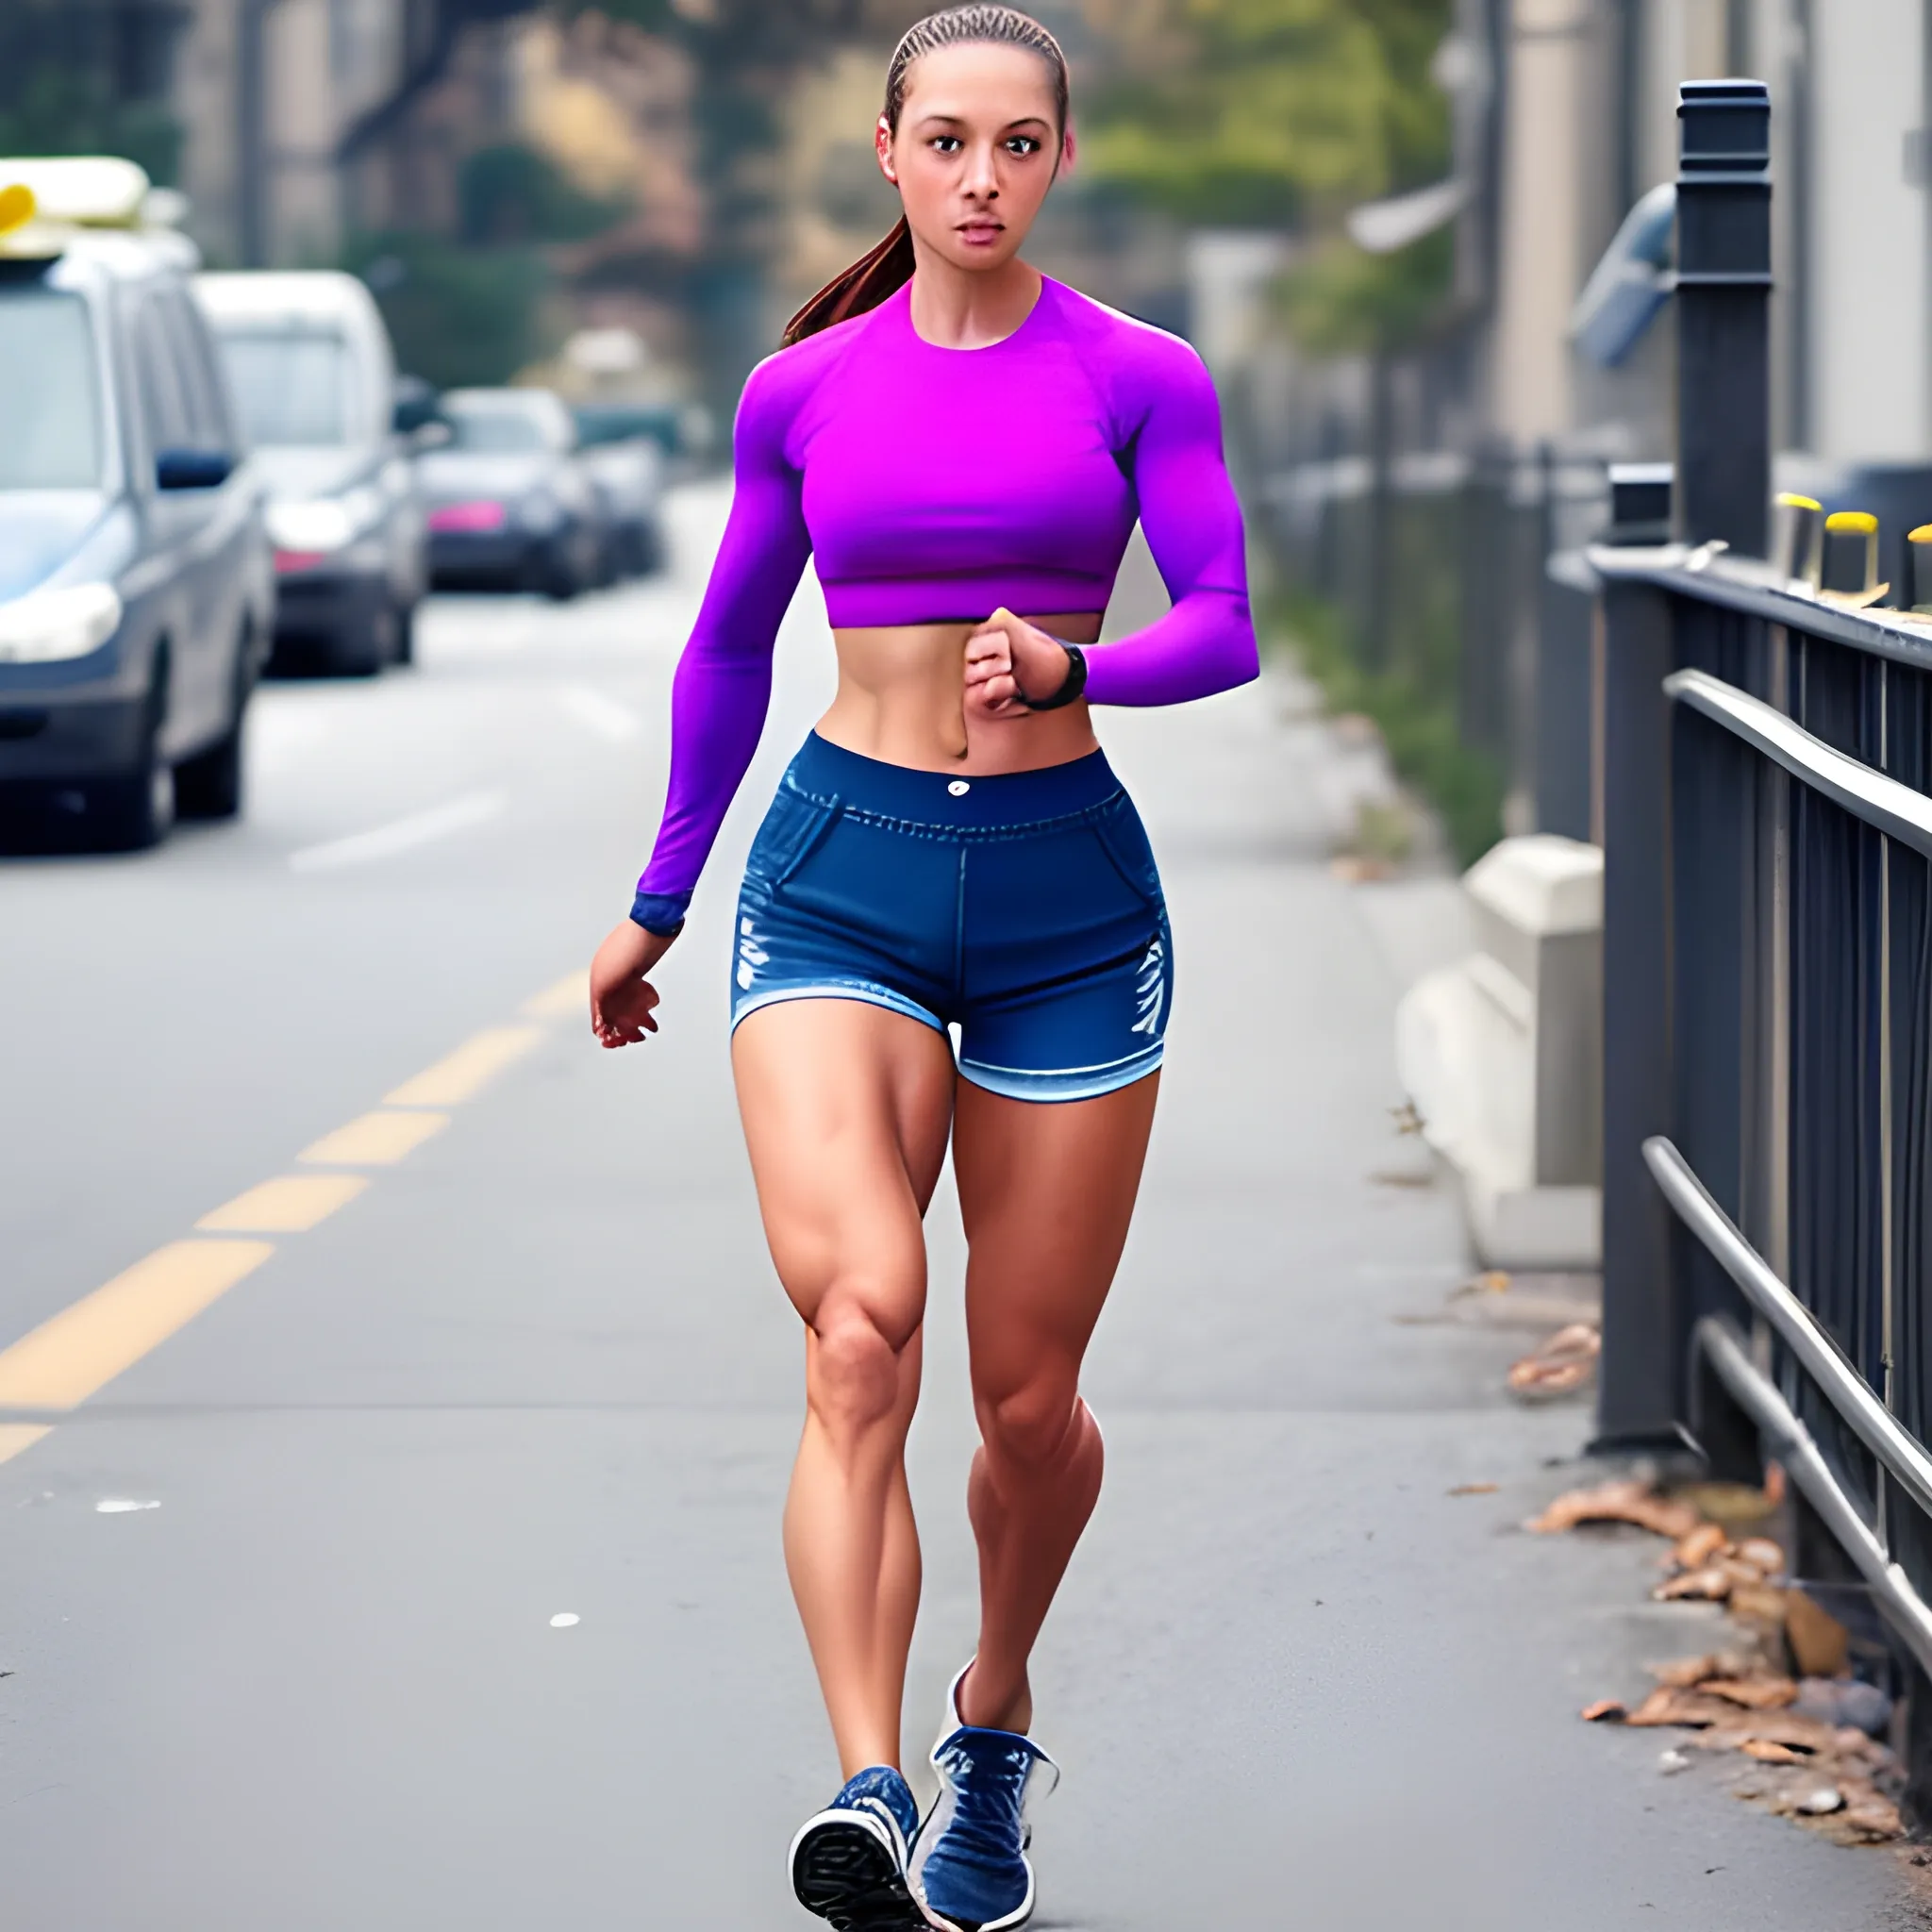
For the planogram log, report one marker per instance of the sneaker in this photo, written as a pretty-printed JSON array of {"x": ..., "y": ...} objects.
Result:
[
  {"x": 970, "y": 1868},
  {"x": 848, "y": 1864}
]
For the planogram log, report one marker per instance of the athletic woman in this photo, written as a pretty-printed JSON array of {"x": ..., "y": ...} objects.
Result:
[{"x": 963, "y": 446}]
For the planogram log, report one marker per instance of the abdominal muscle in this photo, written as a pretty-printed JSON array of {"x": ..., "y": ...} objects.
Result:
[{"x": 901, "y": 700}]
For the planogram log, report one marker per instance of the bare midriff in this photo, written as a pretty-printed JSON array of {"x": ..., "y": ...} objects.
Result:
[{"x": 901, "y": 700}]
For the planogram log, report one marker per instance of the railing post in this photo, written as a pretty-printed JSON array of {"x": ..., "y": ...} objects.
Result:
[
  {"x": 1723, "y": 313},
  {"x": 1641, "y": 1390}
]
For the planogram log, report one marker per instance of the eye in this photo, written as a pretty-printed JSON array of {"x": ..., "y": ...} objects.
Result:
[
  {"x": 1024, "y": 145},
  {"x": 946, "y": 143}
]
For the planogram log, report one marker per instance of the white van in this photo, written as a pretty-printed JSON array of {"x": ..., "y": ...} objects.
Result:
[{"x": 314, "y": 378}]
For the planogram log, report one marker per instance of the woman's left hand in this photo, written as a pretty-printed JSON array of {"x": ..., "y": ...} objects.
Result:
[{"x": 1007, "y": 656}]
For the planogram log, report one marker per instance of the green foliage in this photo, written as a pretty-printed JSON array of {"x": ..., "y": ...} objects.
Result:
[
  {"x": 1341, "y": 300},
  {"x": 58, "y": 110},
  {"x": 459, "y": 316},
  {"x": 1418, "y": 724},
  {"x": 1273, "y": 112},
  {"x": 511, "y": 192}
]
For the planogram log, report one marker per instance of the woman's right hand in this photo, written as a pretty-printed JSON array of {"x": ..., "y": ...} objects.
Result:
[{"x": 621, "y": 997}]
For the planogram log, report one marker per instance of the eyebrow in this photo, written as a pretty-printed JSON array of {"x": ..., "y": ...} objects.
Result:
[{"x": 958, "y": 121}]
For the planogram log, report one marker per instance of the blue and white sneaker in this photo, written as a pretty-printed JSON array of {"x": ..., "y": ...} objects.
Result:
[
  {"x": 848, "y": 1864},
  {"x": 970, "y": 1868}
]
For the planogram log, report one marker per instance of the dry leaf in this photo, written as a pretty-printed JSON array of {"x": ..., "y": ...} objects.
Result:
[
  {"x": 1731, "y": 1733},
  {"x": 1665, "y": 1706},
  {"x": 1704, "y": 1586},
  {"x": 1759, "y": 1603},
  {"x": 1768, "y": 1753},
  {"x": 1820, "y": 1643},
  {"x": 1760, "y": 1693},
  {"x": 1761, "y": 1553},
  {"x": 1606, "y": 1710},
  {"x": 1704, "y": 1542},
  {"x": 1473, "y": 1489},
  {"x": 1626, "y": 1501},
  {"x": 1688, "y": 1672}
]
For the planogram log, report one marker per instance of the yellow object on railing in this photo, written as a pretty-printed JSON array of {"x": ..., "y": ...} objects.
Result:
[{"x": 1850, "y": 574}]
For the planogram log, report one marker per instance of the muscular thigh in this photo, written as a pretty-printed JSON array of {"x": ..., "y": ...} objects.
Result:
[
  {"x": 1046, "y": 1192},
  {"x": 846, "y": 1108}
]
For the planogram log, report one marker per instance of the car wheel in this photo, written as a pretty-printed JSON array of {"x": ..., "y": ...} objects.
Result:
[
  {"x": 561, "y": 579},
  {"x": 134, "y": 812},
  {"x": 362, "y": 648},
  {"x": 208, "y": 785},
  {"x": 404, "y": 651}
]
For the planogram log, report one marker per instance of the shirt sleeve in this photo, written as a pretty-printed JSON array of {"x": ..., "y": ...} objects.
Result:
[
  {"x": 1206, "y": 641},
  {"x": 722, "y": 687}
]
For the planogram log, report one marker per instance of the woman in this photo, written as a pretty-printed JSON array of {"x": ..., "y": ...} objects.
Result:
[{"x": 963, "y": 446}]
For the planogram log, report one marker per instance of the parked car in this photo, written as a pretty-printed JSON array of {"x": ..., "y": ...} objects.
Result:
[
  {"x": 511, "y": 507},
  {"x": 314, "y": 375},
  {"x": 137, "y": 594},
  {"x": 626, "y": 470}
]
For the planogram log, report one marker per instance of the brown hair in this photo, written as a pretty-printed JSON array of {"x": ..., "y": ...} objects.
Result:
[{"x": 888, "y": 266}]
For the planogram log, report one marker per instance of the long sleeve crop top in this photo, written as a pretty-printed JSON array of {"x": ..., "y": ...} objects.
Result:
[{"x": 933, "y": 485}]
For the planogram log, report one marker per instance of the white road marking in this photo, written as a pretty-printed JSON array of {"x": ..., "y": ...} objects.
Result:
[
  {"x": 121, "y": 1506},
  {"x": 564, "y": 1619},
  {"x": 403, "y": 835},
  {"x": 597, "y": 712}
]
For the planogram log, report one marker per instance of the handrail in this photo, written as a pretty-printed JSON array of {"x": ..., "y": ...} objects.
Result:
[
  {"x": 1793, "y": 1446},
  {"x": 1896, "y": 809},
  {"x": 1753, "y": 590},
  {"x": 1847, "y": 1390}
]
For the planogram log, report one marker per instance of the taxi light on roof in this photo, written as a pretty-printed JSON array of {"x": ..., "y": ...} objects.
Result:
[
  {"x": 87, "y": 191},
  {"x": 17, "y": 206}
]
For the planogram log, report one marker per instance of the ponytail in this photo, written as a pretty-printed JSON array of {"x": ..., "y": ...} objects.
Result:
[
  {"x": 864, "y": 285},
  {"x": 888, "y": 266}
]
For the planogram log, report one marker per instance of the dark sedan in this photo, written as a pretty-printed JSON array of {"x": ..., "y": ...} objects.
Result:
[{"x": 511, "y": 507}]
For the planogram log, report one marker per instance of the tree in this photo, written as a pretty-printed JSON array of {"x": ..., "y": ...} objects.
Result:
[{"x": 1275, "y": 113}]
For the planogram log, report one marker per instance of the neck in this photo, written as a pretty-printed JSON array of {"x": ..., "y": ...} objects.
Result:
[{"x": 958, "y": 307}]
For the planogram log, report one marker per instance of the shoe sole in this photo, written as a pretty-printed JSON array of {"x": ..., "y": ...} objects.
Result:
[{"x": 844, "y": 1872}]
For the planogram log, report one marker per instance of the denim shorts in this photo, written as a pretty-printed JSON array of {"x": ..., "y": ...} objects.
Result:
[{"x": 1024, "y": 909}]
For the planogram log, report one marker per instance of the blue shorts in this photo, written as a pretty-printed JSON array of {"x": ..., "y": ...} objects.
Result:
[{"x": 1024, "y": 909}]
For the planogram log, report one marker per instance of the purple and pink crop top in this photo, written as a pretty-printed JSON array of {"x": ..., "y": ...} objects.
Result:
[{"x": 936, "y": 485}]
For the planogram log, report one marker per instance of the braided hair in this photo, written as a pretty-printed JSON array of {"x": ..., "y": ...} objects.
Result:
[{"x": 888, "y": 266}]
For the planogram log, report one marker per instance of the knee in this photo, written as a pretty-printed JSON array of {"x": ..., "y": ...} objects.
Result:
[
  {"x": 1033, "y": 1427},
  {"x": 854, "y": 1380}
]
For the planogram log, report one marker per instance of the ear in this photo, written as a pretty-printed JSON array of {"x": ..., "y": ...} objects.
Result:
[
  {"x": 882, "y": 143},
  {"x": 1067, "y": 150}
]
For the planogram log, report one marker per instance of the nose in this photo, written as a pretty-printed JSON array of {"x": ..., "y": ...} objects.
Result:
[{"x": 981, "y": 179}]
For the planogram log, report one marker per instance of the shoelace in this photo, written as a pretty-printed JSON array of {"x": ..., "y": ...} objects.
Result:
[{"x": 988, "y": 1787}]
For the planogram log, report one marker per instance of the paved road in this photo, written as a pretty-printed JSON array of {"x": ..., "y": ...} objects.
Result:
[{"x": 310, "y": 1677}]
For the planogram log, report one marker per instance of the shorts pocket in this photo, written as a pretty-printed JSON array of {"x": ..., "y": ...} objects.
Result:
[
  {"x": 1124, "y": 839},
  {"x": 792, "y": 829}
]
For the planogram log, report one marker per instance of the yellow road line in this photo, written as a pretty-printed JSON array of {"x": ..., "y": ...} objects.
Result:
[
  {"x": 569, "y": 999},
  {"x": 377, "y": 1140},
  {"x": 292, "y": 1204},
  {"x": 71, "y": 1354},
  {"x": 468, "y": 1070},
  {"x": 14, "y": 1437}
]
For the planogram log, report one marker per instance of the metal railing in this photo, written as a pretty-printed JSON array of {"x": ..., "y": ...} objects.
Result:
[{"x": 1767, "y": 804}]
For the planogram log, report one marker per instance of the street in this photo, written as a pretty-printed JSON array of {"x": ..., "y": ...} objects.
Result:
[{"x": 430, "y": 1574}]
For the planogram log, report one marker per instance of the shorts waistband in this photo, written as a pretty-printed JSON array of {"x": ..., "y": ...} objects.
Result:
[{"x": 944, "y": 801}]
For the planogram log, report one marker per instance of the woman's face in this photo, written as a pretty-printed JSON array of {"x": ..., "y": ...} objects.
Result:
[{"x": 976, "y": 150}]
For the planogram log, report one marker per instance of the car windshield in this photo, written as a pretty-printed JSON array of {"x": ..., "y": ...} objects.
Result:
[
  {"x": 291, "y": 385},
  {"x": 50, "y": 424},
  {"x": 496, "y": 429}
]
